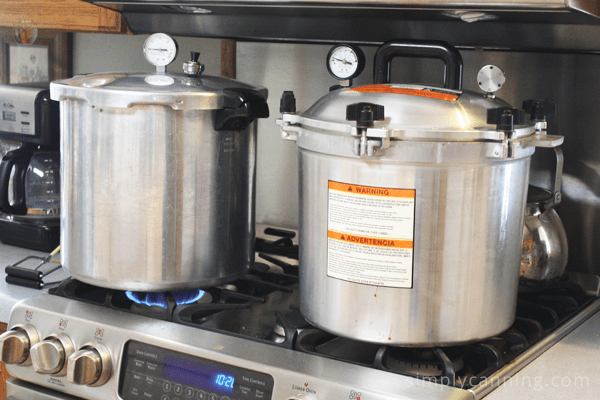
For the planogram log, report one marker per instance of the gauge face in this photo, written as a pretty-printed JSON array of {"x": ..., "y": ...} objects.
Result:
[
  {"x": 345, "y": 61},
  {"x": 160, "y": 49}
]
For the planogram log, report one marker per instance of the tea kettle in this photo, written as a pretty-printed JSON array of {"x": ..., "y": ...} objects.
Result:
[
  {"x": 545, "y": 250},
  {"x": 30, "y": 182}
]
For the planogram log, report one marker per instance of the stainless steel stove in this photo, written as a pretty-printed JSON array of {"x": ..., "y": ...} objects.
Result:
[{"x": 248, "y": 340}]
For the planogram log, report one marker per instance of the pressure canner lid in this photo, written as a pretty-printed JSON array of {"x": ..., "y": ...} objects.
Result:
[
  {"x": 179, "y": 91},
  {"x": 417, "y": 112}
]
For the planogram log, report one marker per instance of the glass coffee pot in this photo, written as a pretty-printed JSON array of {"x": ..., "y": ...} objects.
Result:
[{"x": 30, "y": 182}]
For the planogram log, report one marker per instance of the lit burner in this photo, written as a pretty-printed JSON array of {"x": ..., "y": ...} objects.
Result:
[{"x": 160, "y": 299}]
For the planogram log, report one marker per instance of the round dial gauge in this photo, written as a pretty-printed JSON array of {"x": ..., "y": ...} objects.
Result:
[
  {"x": 160, "y": 49},
  {"x": 345, "y": 61}
]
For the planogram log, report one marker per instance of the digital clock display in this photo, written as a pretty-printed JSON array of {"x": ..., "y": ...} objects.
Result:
[
  {"x": 9, "y": 116},
  {"x": 196, "y": 374}
]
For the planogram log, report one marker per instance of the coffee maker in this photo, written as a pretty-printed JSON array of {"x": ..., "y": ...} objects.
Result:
[{"x": 30, "y": 167}]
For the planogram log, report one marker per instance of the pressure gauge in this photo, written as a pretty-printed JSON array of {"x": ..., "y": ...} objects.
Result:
[
  {"x": 345, "y": 62},
  {"x": 160, "y": 50}
]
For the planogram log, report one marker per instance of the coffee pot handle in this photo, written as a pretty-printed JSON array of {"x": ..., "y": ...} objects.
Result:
[{"x": 19, "y": 160}]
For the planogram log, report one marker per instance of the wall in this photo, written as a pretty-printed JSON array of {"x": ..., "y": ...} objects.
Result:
[
  {"x": 571, "y": 80},
  {"x": 94, "y": 52}
]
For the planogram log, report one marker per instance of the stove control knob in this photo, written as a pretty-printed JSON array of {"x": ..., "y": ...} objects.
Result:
[
  {"x": 51, "y": 354},
  {"x": 16, "y": 344},
  {"x": 90, "y": 365}
]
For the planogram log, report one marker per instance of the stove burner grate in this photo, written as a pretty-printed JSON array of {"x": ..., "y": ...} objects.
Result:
[
  {"x": 423, "y": 361},
  {"x": 242, "y": 293}
]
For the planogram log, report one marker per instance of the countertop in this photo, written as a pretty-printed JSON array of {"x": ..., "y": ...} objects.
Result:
[
  {"x": 10, "y": 294},
  {"x": 568, "y": 370}
]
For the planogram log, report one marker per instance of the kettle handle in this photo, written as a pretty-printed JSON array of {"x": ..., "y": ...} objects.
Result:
[
  {"x": 552, "y": 196},
  {"x": 556, "y": 195},
  {"x": 19, "y": 159},
  {"x": 420, "y": 49}
]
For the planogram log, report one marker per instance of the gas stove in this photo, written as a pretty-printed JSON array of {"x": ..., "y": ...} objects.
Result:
[{"x": 248, "y": 340}]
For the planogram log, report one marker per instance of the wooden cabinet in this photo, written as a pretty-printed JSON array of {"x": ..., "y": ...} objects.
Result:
[
  {"x": 66, "y": 15},
  {"x": 3, "y": 373}
]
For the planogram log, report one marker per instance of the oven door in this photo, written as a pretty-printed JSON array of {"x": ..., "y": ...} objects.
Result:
[{"x": 17, "y": 389}]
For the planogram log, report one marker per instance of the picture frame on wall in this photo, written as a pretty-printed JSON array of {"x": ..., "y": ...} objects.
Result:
[{"x": 31, "y": 55}]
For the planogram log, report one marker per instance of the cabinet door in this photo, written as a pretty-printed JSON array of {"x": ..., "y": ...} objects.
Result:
[
  {"x": 68, "y": 15},
  {"x": 3, "y": 373}
]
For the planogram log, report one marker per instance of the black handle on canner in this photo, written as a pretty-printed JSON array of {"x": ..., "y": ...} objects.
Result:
[
  {"x": 19, "y": 159},
  {"x": 240, "y": 108},
  {"x": 420, "y": 49}
]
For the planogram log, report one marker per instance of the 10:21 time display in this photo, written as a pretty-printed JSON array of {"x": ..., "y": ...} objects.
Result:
[
  {"x": 224, "y": 381},
  {"x": 198, "y": 374}
]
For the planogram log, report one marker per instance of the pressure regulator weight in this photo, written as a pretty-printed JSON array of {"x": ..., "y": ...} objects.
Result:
[
  {"x": 160, "y": 50},
  {"x": 345, "y": 62}
]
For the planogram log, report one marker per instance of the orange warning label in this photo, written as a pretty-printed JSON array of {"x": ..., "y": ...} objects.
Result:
[
  {"x": 368, "y": 241},
  {"x": 370, "y": 234},
  {"x": 383, "y": 88},
  {"x": 373, "y": 191}
]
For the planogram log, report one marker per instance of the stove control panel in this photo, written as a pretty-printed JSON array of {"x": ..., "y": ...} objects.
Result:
[
  {"x": 158, "y": 373},
  {"x": 121, "y": 356}
]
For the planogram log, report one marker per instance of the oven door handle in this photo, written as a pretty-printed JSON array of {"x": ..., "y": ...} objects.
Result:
[{"x": 17, "y": 389}]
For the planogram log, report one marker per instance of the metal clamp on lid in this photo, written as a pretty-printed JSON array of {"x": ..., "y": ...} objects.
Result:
[
  {"x": 539, "y": 109},
  {"x": 505, "y": 118},
  {"x": 365, "y": 115}
]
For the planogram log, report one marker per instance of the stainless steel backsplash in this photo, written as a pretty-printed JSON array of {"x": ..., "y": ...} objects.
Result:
[{"x": 570, "y": 80}]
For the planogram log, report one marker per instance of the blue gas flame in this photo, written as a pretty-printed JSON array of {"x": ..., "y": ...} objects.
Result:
[
  {"x": 187, "y": 296},
  {"x": 159, "y": 298}
]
